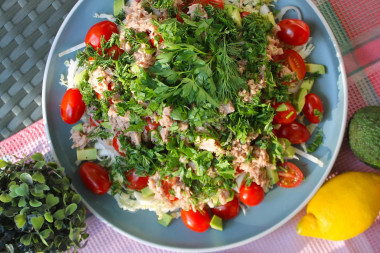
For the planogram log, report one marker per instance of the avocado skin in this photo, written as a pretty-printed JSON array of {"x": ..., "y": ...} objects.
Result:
[{"x": 364, "y": 135}]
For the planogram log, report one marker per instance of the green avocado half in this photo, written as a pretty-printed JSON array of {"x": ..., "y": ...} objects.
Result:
[{"x": 364, "y": 135}]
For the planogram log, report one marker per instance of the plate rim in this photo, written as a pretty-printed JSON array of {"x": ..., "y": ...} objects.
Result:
[{"x": 245, "y": 241}]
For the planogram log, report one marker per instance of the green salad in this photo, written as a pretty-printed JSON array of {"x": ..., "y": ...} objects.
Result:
[{"x": 192, "y": 108}]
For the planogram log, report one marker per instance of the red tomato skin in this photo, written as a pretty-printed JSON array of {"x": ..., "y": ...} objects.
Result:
[
  {"x": 152, "y": 125},
  {"x": 313, "y": 102},
  {"x": 292, "y": 178},
  {"x": 114, "y": 52},
  {"x": 244, "y": 14},
  {"x": 136, "y": 182},
  {"x": 95, "y": 178},
  {"x": 96, "y": 32},
  {"x": 72, "y": 106},
  {"x": 227, "y": 211},
  {"x": 283, "y": 116},
  {"x": 295, "y": 132},
  {"x": 196, "y": 221},
  {"x": 251, "y": 195},
  {"x": 293, "y": 32},
  {"x": 215, "y": 3},
  {"x": 115, "y": 144},
  {"x": 167, "y": 185},
  {"x": 294, "y": 61}
]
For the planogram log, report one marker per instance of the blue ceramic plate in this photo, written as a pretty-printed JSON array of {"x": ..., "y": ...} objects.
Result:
[{"x": 279, "y": 205}]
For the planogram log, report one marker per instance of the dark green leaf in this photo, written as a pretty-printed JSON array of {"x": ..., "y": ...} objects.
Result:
[
  {"x": 76, "y": 198},
  {"x": 48, "y": 217},
  {"x": 37, "y": 157},
  {"x": 5, "y": 198},
  {"x": 35, "y": 203},
  {"x": 20, "y": 220},
  {"x": 26, "y": 178},
  {"x": 51, "y": 200},
  {"x": 26, "y": 239},
  {"x": 59, "y": 214},
  {"x": 22, "y": 190},
  {"x": 38, "y": 177},
  {"x": 37, "y": 222},
  {"x": 70, "y": 209},
  {"x": 21, "y": 202},
  {"x": 39, "y": 165}
]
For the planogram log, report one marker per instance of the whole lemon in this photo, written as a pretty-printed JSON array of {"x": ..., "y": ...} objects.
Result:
[{"x": 343, "y": 207}]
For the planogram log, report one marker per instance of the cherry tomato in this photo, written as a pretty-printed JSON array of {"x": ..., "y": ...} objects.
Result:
[
  {"x": 228, "y": 210},
  {"x": 159, "y": 42},
  {"x": 136, "y": 182},
  {"x": 295, "y": 132},
  {"x": 197, "y": 221},
  {"x": 167, "y": 186},
  {"x": 285, "y": 113},
  {"x": 290, "y": 178},
  {"x": 313, "y": 108},
  {"x": 115, "y": 144},
  {"x": 215, "y": 3},
  {"x": 72, "y": 106},
  {"x": 102, "y": 29},
  {"x": 251, "y": 195},
  {"x": 95, "y": 177},
  {"x": 114, "y": 52},
  {"x": 294, "y": 62},
  {"x": 152, "y": 125},
  {"x": 293, "y": 32},
  {"x": 244, "y": 14}
]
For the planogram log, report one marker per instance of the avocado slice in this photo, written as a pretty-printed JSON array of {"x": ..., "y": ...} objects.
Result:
[
  {"x": 364, "y": 135},
  {"x": 81, "y": 76},
  {"x": 299, "y": 99},
  {"x": 118, "y": 6},
  {"x": 78, "y": 127},
  {"x": 312, "y": 68},
  {"x": 87, "y": 154},
  {"x": 147, "y": 192},
  {"x": 216, "y": 223},
  {"x": 307, "y": 84},
  {"x": 234, "y": 13},
  {"x": 165, "y": 220}
]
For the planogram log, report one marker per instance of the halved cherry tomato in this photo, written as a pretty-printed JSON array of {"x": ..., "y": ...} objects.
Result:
[
  {"x": 293, "y": 32},
  {"x": 135, "y": 181},
  {"x": 115, "y": 144},
  {"x": 95, "y": 178},
  {"x": 72, "y": 106},
  {"x": 251, "y": 195},
  {"x": 244, "y": 14},
  {"x": 290, "y": 178},
  {"x": 294, "y": 62},
  {"x": 285, "y": 113},
  {"x": 228, "y": 210},
  {"x": 295, "y": 132},
  {"x": 215, "y": 3},
  {"x": 313, "y": 108},
  {"x": 197, "y": 221},
  {"x": 159, "y": 42},
  {"x": 152, "y": 125},
  {"x": 96, "y": 32},
  {"x": 114, "y": 52}
]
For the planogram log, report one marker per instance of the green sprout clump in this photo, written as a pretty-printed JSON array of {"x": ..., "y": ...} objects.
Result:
[{"x": 39, "y": 212}]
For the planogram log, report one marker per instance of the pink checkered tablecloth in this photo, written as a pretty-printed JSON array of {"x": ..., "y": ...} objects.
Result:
[{"x": 356, "y": 25}]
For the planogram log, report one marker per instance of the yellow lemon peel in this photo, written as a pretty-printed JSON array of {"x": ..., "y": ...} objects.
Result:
[{"x": 343, "y": 207}]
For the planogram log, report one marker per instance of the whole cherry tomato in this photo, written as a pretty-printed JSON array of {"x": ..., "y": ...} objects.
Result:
[
  {"x": 285, "y": 113},
  {"x": 159, "y": 42},
  {"x": 115, "y": 144},
  {"x": 228, "y": 210},
  {"x": 294, "y": 62},
  {"x": 96, "y": 32},
  {"x": 95, "y": 177},
  {"x": 152, "y": 125},
  {"x": 313, "y": 108},
  {"x": 198, "y": 221},
  {"x": 251, "y": 195},
  {"x": 295, "y": 132},
  {"x": 293, "y": 32},
  {"x": 136, "y": 182},
  {"x": 290, "y": 178},
  {"x": 114, "y": 52},
  {"x": 72, "y": 106}
]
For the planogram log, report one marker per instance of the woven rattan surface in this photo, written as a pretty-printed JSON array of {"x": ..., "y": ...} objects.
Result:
[{"x": 27, "y": 30}]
